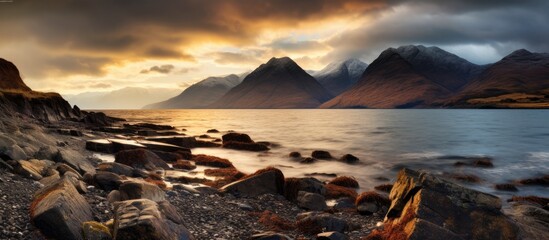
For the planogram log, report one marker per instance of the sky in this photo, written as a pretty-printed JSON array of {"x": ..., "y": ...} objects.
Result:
[{"x": 103, "y": 45}]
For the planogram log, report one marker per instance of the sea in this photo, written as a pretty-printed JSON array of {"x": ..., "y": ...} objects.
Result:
[{"x": 385, "y": 141}]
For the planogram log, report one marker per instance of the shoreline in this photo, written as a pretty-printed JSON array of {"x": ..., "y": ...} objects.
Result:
[{"x": 205, "y": 211}]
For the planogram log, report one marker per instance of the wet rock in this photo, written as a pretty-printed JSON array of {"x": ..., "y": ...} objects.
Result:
[
  {"x": 316, "y": 174},
  {"x": 483, "y": 162},
  {"x": 345, "y": 181},
  {"x": 237, "y": 137},
  {"x": 146, "y": 219},
  {"x": 295, "y": 155},
  {"x": 255, "y": 147},
  {"x": 542, "y": 181},
  {"x": 170, "y": 157},
  {"x": 432, "y": 208},
  {"x": 211, "y": 161},
  {"x": 59, "y": 210},
  {"x": 307, "y": 160},
  {"x": 150, "y": 126},
  {"x": 384, "y": 187},
  {"x": 311, "y": 201},
  {"x": 535, "y": 200},
  {"x": 99, "y": 119},
  {"x": 319, "y": 154},
  {"x": 136, "y": 190},
  {"x": 100, "y": 145},
  {"x": 506, "y": 187},
  {"x": 344, "y": 203},
  {"x": 349, "y": 158},
  {"x": 292, "y": 186},
  {"x": 181, "y": 141},
  {"x": 331, "y": 236},
  {"x": 75, "y": 160},
  {"x": 212, "y": 131},
  {"x": 532, "y": 221},
  {"x": 270, "y": 236},
  {"x": 204, "y": 136},
  {"x": 469, "y": 178},
  {"x": 184, "y": 164},
  {"x": 149, "y": 133},
  {"x": 335, "y": 192},
  {"x": 107, "y": 181},
  {"x": 140, "y": 158},
  {"x": 371, "y": 202},
  {"x": 116, "y": 168},
  {"x": 159, "y": 146},
  {"x": 317, "y": 222},
  {"x": 95, "y": 231},
  {"x": 264, "y": 181}
]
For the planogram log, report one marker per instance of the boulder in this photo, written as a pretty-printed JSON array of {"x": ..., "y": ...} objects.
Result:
[
  {"x": 100, "y": 145},
  {"x": 211, "y": 161},
  {"x": 181, "y": 141},
  {"x": 533, "y": 221},
  {"x": 95, "y": 231},
  {"x": 184, "y": 164},
  {"x": 116, "y": 168},
  {"x": 264, "y": 181},
  {"x": 371, "y": 202},
  {"x": 311, "y": 201},
  {"x": 140, "y": 158},
  {"x": 426, "y": 207},
  {"x": 59, "y": 211},
  {"x": 107, "y": 181},
  {"x": 349, "y": 158},
  {"x": 319, "y": 154},
  {"x": 146, "y": 219},
  {"x": 170, "y": 157},
  {"x": 34, "y": 169},
  {"x": 137, "y": 189},
  {"x": 64, "y": 168},
  {"x": 344, "y": 203},
  {"x": 307, "y": 160},
  {"x": 331, "y": 236},
  {"x": 292, "y": 186},
  {"x": 212, "y": 131},
  {"x": 75, "y": 160},
  {"x": 237, "y": 137},
  {"x": 295, "y": 155},
  {"x": 317, "y": 222}
]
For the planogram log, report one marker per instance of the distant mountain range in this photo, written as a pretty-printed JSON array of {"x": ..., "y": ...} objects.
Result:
[
  {"x": 404, "y": 77},
  {"x": 125, "y": 98}
]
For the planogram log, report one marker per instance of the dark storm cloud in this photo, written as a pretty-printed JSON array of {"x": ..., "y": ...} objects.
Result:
[
  {"x": 164, "y": 69},
  {"x": 500, "y": 25}
]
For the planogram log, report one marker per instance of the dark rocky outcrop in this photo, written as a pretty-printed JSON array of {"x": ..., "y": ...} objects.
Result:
[
  {"x": 269, "y": 180},
  {"x": 140, "y": 158},
  {"x": 426, "y": 207}
]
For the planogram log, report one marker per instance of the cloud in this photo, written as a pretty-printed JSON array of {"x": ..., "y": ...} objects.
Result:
[
  {"x": 164, "y": 69},
  {"x": 100, "y": 85},
  {"x": 184, "y": 85},
  {"x": 291, "y": 45},
  {"x": 235, "y": 58}
]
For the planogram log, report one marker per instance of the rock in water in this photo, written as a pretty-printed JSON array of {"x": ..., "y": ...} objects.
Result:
[
  {"x": 146, "y": 219},
  {"x": 140, "y": 158},
  {"x": 426, "y": 207},
  {"x": 58, "y": 210}
]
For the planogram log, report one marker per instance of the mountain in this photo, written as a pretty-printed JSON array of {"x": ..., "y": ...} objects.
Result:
[
  {"x": 201, "y": 94},
  {"x": 279, "y": 83},
  {"x": 339, "y": 76},
  {"x": 17, "y": 98},
  {"x": 10, "y": 78},
  {"x": 521, "y": 72},
  {"x": 124, "y": 98},
  {"x": 444, "y": 68},
  {"x": 390, "y": 82}
]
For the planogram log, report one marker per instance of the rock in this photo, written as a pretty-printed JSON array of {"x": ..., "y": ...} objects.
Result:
[
  {"x": 371, "y": 202},
  {"x": 211, "y": 161},
  {"x": 116, "y": 168},
  {"x": 140, "y": 158},
  {"x": 100, "y": 145},
  {"x": 184, "y": 164},
  {"x": 99, "y": 119},
  {"x": 335, "y": 192},
  {"x": 33, "y": 168},
  {"x": 159, "y": 146},
  {"x": 170, "y": 157},
  {"x": 212, "y": 131},
  {"x": 114, "y": 196},
  {"x": 295, "y": 155},
  {"x": 58, "y": 210},
  {"x": 348, "y": 158},
  {"x": 64, "y": 168},
  {"x": 73, "y": 178},
  {"x": 384, "y": 187},
  {"x": 181, "y": 141},
  {"x": 107, "y": 181},
  {"x": 95, "y": 231},
  {"x": 75, "y": 160},
  {"x": 345, "y": 181},
  {"x": 317, "y": 222},
  {"x": 268, "y": 180},
  {"x": 307, "y": 160},
  {"x": 292, "y": 186},
  {"x": 319, "y": 154},
  {"x": 432, "y": 208},
  {"x": 331, "y": 236},
  {"x": 344, "y": 203},
  {"x": 484, "y": 162},
  {"x": 4, "y": 164},
  {"x": 136, "y": 190},
  {"x": 237, "y": 137},
  {"x": 532, "y": 221},
  {"x": 146, "y": 219},
  {"x": 270, "y": 236},
  {"x": 542, "y": 181},
  {"x": 150, "y": 126},
  {"x": 255, "y": 147},
  {"x": 311, "y": 201},
  {"x": 124, "y": 144},
  {"x": 506, "y": 187}
]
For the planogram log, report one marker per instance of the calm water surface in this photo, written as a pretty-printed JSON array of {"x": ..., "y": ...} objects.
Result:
[{"x": 384, "y": 140}]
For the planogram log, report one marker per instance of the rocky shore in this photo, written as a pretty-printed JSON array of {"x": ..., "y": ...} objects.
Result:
[{"x": 53, "y": 186}]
